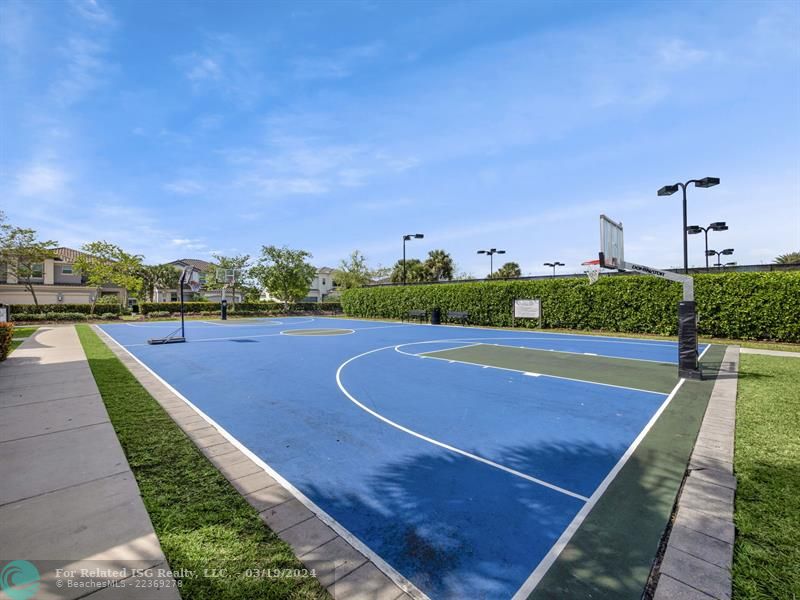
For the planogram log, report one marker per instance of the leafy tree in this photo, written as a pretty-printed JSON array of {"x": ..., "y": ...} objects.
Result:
[
  {"x": 104, "y": 263},
  {"x": 284, "y": 272},
  {"x": 157, "y": 276},
  {"x": 353, "y": 272},
  {"x": 239, "y": 262},
  {"x": 439, "y": 265},
  {"x": 415, "y": 271},
  {"x": 510, "y": 270},
  {"x": 23, "y": 254},
  {"x": 788, "y": 259}
]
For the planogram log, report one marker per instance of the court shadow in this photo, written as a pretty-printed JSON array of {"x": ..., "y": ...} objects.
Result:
[{"x": 458, "y": 528}]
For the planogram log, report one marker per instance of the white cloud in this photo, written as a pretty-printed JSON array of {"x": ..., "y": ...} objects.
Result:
[
  {"x": 86, "y": 69},
  {"x": 189, "y": 244},
  {"x": 678, "y": 54},
  {"x": 203, "y": 67},
  {"x": 339, "y": 65},
  {"x": 40, "y": 179},
  {"x": 93, "y": 12},
  {"x": 184, "y": 187}
]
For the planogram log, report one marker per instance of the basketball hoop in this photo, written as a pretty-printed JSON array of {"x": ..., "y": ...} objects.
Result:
[{"x": 592, "y": 270}]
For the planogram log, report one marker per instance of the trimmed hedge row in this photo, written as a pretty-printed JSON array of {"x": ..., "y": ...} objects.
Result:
[
  {"x": 6, "y": 333},
  {"x": 64, "y": 308},
  {"x": 764, "y": 305},
  {"x": 147, "y": 308},
  {"x": 64, "y": 316}
]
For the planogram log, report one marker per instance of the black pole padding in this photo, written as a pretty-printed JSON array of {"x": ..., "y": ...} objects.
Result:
[
  {"x": 436, "y": 316},
  {"x": 183, "y": 330},
  {"x": 224, "y": 307},
  {"x": 688, "y": 365}
]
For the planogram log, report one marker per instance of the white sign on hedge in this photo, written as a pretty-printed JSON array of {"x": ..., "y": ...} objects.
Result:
[
  {"x": 3, "y": 314},
  {"x": 528, "y": 309}
]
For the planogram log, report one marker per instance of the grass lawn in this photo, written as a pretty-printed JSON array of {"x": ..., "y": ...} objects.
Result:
[
  {"x": 201, "y": 520},
  {"x": 766, "y": 561},
  {"x": 19, "y": 335}
]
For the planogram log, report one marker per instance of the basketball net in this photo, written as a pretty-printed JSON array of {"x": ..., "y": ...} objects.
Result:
[{"x": 592, "y": 270}]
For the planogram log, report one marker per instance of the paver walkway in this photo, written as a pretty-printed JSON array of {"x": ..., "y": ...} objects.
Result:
[
  {"x": 68, "y": 499},
  {"x": 769, "y": 352}
]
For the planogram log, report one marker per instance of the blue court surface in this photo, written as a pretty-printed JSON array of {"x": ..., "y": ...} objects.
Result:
[{"x": 465, "y": 472}]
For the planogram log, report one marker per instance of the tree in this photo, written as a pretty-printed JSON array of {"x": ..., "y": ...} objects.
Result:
[
  {"x": 22, "y": 254},
  {"x": 415, "y": 271},
  {"x": 104, "y": 263},
  {"x": 354, "y": 272},
  {"x": 284, "y": 273},
  {"x": 157, "y": 276},
  {"x": 788, "y": 259},
  {"x": 510, "y": 270},
  {"x": 239, "y": 263},
  {"x": 439, "y": 265}
]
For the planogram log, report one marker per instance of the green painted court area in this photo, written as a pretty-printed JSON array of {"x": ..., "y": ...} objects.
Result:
[{"x": 621, "y": 372}]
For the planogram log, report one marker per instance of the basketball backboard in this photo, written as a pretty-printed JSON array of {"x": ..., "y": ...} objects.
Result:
[
  {"x": 612, "y": 255},
  {"x": 226, "y": 276}
]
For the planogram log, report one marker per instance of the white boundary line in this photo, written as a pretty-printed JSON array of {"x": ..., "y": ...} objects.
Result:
[
  {"x": 292, "y": 332},
  {"x": 437, "y": 442},
  {"x": 544, "y": 565},
  {"x": 394, "y": 575},
  {"x": 625, "y": 340}
]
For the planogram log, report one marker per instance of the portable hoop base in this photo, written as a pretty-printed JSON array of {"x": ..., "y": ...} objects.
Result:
[{"x": 173, "y": 340}]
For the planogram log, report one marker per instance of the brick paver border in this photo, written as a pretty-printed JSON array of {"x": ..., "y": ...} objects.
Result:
[
  {"x": 342, "y": 563},
  {"x": 697, "y": 561}
]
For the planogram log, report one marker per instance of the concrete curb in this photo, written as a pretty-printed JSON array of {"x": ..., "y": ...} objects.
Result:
[
  {"x": 344, "y": 570},
  {"x": 697, "y": 562}
]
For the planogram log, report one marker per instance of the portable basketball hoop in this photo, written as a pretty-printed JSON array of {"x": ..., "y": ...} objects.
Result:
[
  {"x": 592, "y": 270},
  {"x": 191, "y": 277}
]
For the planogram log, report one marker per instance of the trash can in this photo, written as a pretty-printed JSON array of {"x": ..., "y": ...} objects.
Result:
[
  {"x": 224, "y": 307},
  {"x": 436, "y": 316}
]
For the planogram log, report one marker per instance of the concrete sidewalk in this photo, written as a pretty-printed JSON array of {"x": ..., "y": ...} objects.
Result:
[
  {"x": 770, "y": 352},
  {"x": 68, "y": 499}
]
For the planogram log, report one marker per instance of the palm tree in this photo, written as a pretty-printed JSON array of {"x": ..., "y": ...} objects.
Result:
[
  {"x": 439, "y": 265},
  {"x": 510, "y": 270},
  {"x": 788, "y": 259}
]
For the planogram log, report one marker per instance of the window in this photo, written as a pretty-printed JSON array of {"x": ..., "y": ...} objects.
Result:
[
  {"x": 37, "y": 270},
  {"x": 3, "y": 272},
  {"x": 323, "y": 282},
  {"x": 66, "y": 269}
]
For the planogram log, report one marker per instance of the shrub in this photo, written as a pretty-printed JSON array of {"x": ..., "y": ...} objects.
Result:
[
  {"x": 147, "y": 308},
  {"x": 762, "y": 305},
  {"x": 6, "y": 333},
  {"x": 159, "y": 313},
  {"x": 29, "y": 317},
  {"x": 109, "y": 316},
  {"x": 108, "y": 300},
  {"x": 65, "y": 316},
  {"x": 61, "y": 308}
]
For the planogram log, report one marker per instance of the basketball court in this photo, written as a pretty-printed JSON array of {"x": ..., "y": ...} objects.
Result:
[{"x": 470, "y": 462}]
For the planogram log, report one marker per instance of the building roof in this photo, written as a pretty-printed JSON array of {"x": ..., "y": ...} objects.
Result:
[
  {"x": 68, "y": 255},
  {"x": 197, "y": 263},
  {"x": 325, "y": 270}
]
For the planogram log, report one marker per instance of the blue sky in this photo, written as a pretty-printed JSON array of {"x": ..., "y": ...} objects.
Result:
[{"x": 178, "y": 129}]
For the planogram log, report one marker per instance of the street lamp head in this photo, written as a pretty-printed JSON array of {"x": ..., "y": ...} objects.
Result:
[
  {"x": 549, "y": 264},
  {"x": 501, "y": 251},
  {"x": 718, "y": 226},
  {"x": 727, "y": 251},
  {"x": 483, "y": 252},
  {"x": 691, "y": 229},
  {"x": 668, "y": 190},
  {"x": 711, "y": 252},
  {"x": 730, "y": 264},
  {"x": 419, "y": 236},
  {"x": 707, "y": 182},
  {"x": 559, "y": 264}
]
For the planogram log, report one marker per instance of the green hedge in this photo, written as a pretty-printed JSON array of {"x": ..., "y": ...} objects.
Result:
[
  {"x": 761, "y": 305},
  {"x": 63, "y": 308},
  {"x": 6, "y": 333},
  {"x": 240, "y": 308}
]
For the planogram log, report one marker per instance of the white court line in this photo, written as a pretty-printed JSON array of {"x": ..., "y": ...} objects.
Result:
[
  {"x": 219, "y": 339},
  {"x": 394, "y": 575},
  {"x": 474, "y": 364},
  {"x": 437, "y": 442},
  {"x": 543, "y": 566}
]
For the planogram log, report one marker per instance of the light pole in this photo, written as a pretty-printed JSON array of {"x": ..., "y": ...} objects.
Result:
[
  {"x": 668, "y": 190},
  {"x": 719, "y": 255},
  {"x": 716, "y": 226},
  {"x": 554, "y": 265},
  {"x": 491, "y": 252},
  {"x": 407, "y": 237}
]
